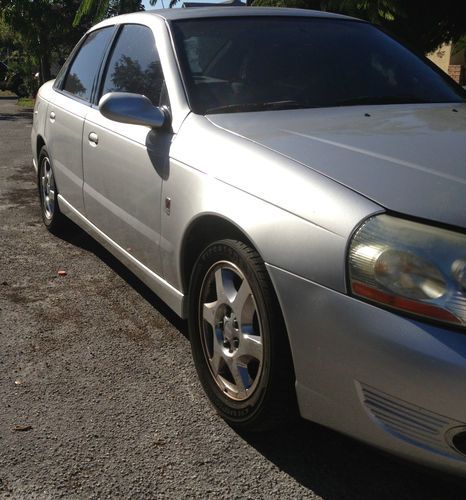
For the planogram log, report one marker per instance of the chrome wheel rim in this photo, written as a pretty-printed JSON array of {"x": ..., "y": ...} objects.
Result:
[
  {"x": 230, "y": 327},
  {"x": 47, "y": 186}
]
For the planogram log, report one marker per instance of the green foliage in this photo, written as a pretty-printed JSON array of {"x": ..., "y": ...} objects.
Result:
[
  {"x": 43, "y": 32},
  {"x": 100, "y": 9},
  {"x": 376, "y": 11},
  {"x": 117, "y": 7},
  {"x": 165, "y": 3},
  {"x": 427, "y": 26},
  {"x": 37, "y": 35},
  {"x": 372, "y": 10},
  {"x": 21, "y": 64},
  {"x": 460, "y": 45},
  {"x": 26, "y": 102},
  {"x": 22, "y": 68},
  {"x": 423, "y": 25},
  {"x": 7, "y": 35},
  {"x": 9, "y": 40}
]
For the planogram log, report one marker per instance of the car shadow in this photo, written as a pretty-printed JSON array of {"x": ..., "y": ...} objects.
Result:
[
  {"x": 334, "y": 466},
  {"x": 78, "y": 237},
  {"x": 323, "y": 461}
]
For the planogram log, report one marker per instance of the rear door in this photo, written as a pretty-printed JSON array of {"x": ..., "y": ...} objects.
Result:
[
  {"x": 124, "y": 164},
  {"x": 65, "y": 115}
]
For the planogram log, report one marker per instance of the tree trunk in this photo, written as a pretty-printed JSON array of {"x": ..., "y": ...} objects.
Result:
[
  {"x": 44, "y": 57},
  {"x": 44, "y": 72}
]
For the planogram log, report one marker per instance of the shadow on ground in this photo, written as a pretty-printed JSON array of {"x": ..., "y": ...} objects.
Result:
[
  {"x": 323, "y": 461},
  {"x": 15, "y": 117},
  {"x": 13, "y": 112},
  {"x": 78, "y": 237},
  {"x": 335, "y": 466}
]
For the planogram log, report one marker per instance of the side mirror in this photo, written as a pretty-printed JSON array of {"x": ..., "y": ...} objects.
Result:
[{"x": 133, "y": 108}]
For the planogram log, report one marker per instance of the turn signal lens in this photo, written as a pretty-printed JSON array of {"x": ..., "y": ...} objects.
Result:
[{"x": 410, "y": 267}]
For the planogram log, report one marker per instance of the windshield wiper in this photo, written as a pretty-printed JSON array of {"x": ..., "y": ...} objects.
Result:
[
  {"x": 384, "y": 99},
  {"x": 256, "y": 106}
]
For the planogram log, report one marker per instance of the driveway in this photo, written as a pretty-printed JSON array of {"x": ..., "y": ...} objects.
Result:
[{"x": 99, "y": 397}]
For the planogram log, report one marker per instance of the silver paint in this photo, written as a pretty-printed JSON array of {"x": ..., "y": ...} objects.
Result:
[
  {"x": 297, "y": 184},
  {"x": 133, "y": 109}
]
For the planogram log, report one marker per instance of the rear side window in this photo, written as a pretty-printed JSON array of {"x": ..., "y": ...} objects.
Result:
[
  {"x": 84, "y": 68},
  {"x": 135, "y": 64}
]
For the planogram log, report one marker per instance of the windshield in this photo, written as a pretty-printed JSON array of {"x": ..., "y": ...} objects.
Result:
[{"x": 235, "y": 64}]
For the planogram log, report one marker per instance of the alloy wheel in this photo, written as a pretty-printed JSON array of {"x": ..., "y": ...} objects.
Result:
[
  {"x": 47, "y": 186},
  {"x": 230, "y": 328}
]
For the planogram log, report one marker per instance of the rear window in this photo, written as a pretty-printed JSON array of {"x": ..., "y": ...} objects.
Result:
[{"x": 83, "y": 71}]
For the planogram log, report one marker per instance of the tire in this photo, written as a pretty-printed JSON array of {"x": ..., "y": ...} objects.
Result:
[
  {"x": 238, "y": 338},
  {"x": 53, "y": 219}
]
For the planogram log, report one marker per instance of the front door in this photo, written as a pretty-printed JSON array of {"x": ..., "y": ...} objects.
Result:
[{"x": 123, "y": 163}]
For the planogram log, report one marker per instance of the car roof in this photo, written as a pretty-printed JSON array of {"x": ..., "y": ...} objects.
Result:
[
  {"x": 209, "y": 12},
  {"x": 216, "y": 12}
]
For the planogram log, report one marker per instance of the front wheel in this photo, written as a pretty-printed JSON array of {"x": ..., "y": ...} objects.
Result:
[{"x": 238, "y": 338}]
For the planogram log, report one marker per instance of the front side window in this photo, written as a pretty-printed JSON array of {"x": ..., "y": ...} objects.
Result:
[
  {"x": 256, "y": 63},
  {"x": 135, "y": 64},
  {"x": 84, "y": 68}
]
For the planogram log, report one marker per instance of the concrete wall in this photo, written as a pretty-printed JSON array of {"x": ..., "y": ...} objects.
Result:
[
  {"x": 450, "y": 61},
  {"x": 441, "y": 57}
]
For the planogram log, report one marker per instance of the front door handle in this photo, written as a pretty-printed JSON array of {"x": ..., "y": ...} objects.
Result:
[{"x": 94, "y": 138}]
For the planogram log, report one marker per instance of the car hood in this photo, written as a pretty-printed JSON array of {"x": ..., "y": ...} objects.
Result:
[{"x": 410, "y": 159}]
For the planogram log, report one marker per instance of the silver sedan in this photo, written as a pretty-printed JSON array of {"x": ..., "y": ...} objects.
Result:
[{"x": 293, "y": 183}]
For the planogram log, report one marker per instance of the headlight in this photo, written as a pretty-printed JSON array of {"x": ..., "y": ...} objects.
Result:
[{"x": 410, "y": 267}]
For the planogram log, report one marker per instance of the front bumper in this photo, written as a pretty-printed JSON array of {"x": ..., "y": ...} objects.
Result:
[{"x": 391, "y": 381}]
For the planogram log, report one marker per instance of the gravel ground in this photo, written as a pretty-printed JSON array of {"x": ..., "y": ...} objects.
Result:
[{"x": 99, "y": 397}]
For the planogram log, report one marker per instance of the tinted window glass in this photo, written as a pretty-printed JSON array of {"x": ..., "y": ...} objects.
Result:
[
  {"x": 86, "y": 64},
  {"x": 249, "y": 64},
  {"x": 135, "y": 64}
]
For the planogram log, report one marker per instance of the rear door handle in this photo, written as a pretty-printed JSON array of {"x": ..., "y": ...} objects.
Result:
[
  {"x": 94, "y": 138},
  {"x": 52, "y": 116}
]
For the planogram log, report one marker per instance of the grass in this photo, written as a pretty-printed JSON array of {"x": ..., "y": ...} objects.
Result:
[{"x": 26, "y": 102}]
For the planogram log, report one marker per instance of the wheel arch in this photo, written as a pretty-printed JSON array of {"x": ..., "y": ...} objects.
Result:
[
  {"x": 202, "y": 231},
  {"x": 205, "y": 230},
  {"x": 40, "y": 143}
]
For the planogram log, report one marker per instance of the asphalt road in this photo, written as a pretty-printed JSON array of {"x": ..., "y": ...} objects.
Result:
[{"x": 99, "y": 397}]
